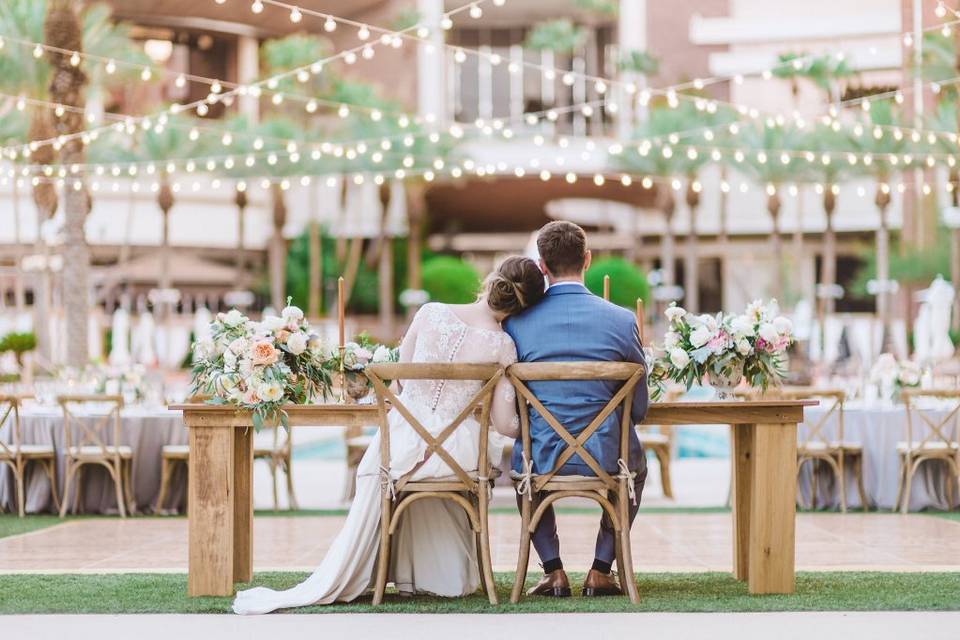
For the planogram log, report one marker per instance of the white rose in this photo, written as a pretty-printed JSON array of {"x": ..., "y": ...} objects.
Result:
[
  {"x": 233, "y": 318},
  {"x": 363, "y": 355},
  {"x": 709, "y": 322},
  {"x": 743, "y": 346},
  {"x": 297, "y": 343},
  {"x": 229, "y": 361},
  {"x": 741, "y": 326},
  {"x": 382, "y": 354},
  {"x": 292, "y": 313},
  {"x": 203, "y": 349},
  {"x": 700, "y": 336},
  {"x": 671, "y": 339},
  {"x": 239, "y": 346},
  {"x": 783, "y": 325},
  {"x": 270, "y": 391},
  {"x": 245, "y": 367},
  {"x": 675, "y": 312},
  {"x": 679, "y": 358},
  {"x": 272, "y": 323},
  {"x": 768, "y": 332}
]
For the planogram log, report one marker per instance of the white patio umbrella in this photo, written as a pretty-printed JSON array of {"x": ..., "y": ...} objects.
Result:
[{"x": 940, "y": 299}]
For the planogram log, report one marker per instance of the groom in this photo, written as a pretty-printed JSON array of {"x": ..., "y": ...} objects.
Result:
[{"x": 572, "y": 324}]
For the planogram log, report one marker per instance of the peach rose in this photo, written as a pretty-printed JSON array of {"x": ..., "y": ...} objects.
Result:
[{"x": 263, "y": 353}]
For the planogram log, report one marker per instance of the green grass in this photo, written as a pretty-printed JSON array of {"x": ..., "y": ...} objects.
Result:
[
  {"x": 11, "y": 525},
  {"x": 166, "y": 593},
  {"x": 949, "y": 515}
]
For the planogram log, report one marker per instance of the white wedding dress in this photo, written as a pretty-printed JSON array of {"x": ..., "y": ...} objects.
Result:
[{"x": 434, "y": 550}]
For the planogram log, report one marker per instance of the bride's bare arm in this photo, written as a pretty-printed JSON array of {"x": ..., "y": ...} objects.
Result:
[{"x": 503, "y": 413}]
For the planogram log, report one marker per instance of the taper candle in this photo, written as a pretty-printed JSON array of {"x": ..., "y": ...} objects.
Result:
[
  {"x": 606, "y": 287},
  {"x": 340, "y": 304}
]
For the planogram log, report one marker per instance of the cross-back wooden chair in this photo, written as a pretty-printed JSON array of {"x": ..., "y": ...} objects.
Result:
[
  {"x": 279, "y": 457},
  {"x": 929, "y": 438},
  {"x": 816, "y": 445},
  {"x": 468, "y": 489},
  {"x": 95, "y": 440},
  {"x": 17, "y": 455},
  {"x": 172, "y": 456},
  {"x": 612, "y": 492}
]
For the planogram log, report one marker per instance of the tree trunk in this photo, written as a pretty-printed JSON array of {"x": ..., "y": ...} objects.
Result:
[
  {"x": 415, "y": 218},
  {"x": 691, "y": 276},
  {"x": 955, "y": 243},
  {"x": 773, "y": 207},
  {"x": 278, "y": 250},
  {"x": 240, "y": 199},
  {"x": 315, "y": 250},
  {"x": 164, "y": 281},
  {"x": 45, "y": 200},
  {"x": 384, "y": 253},
  {"x": 667, "y": 205},
  {"x": 829, "y": 266},
  {"x": 62, "y": 29},
  {"x": 882, "y": 201},
  {"x": 18, "y": 288}
]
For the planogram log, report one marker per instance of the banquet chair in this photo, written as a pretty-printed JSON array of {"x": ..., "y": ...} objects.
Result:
[
  {"x": 278, "y": 455},
  {"x": 17, "y": 455},
  {"x": 470, "y": 490},
  {"x": 171, "y": 457},
  {"x": 611, "y": 492},
  {"x": 817, "y": 446},
  {"x": 929, "y": 438},
  {"x": 95, "y": 441},
  {"x": 356, "y": 441},
  {"x": 659, "y": 440}
]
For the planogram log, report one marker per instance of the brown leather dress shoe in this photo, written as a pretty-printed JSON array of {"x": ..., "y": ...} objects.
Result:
[
  {"x": 553, "y": 585},
  {"x": 600, "y": 584}
]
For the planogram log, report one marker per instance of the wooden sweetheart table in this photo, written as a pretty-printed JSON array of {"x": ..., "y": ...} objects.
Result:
[{"x": 220, "y": 510}]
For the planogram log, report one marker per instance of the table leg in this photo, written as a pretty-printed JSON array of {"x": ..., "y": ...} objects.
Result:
[
  {"x": 742, "y": 470},
  {"x": 211, "y": 518},
  {"x": 773, "y": 509},
  {"x": 243, "y": 505}
]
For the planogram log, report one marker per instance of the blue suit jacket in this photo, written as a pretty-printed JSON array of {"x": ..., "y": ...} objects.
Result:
[{"x": 572, "y": 324}]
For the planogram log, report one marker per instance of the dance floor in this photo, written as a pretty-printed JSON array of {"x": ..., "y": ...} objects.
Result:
[{"x": 662, "y": 541}]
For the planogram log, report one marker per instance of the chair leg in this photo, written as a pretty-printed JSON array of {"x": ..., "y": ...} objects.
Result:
[
  {"x": 625, "y": 551},
  {"x": 523, "y": 555},
  {"x": 67, "y": 479},
  {"x": 901, "y": 477},
  {"x": 276, "y": 490},
  {"x": 663, "y": 457},
  {"x": 905, "y": 506},
  {"x": 486, "y": 560},
  {"x": 841, "y": 481},
  {"x": 383, "y": 561},
  {"x": 127, "y": 466},
  {"x": 291, "y": 496},
  {"x": 50, "y": 466},
  {"x": 116, "y": 473},
  {"x": 21, "y": 494},
  {"x": 165, "y": 471},
  {"x": 814, "y": 481},
  {"x": 858, "y": 470},
  {"x": 802, "y": 500}
]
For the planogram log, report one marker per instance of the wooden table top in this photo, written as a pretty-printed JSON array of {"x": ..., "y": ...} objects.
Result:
[{"x": 659, "y": 413}]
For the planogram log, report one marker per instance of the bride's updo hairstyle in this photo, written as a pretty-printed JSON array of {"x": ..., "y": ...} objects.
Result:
[{"x": 514, "y": 286}]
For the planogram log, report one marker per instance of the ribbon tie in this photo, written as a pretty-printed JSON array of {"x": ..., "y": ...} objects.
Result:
[
  {"x": 525, "y": 486},
  {"x": 387, "y": 484},
  {"x": 626, "y": 474}
]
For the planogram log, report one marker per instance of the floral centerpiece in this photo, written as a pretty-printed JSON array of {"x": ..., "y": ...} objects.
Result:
[
  {"x": 260, "y": 366},
  {"x": 724, "y": 348},
  {"x": 356, "y": 356},
  {"x": 892, "y": 376},
  {"x": 129, "y": 381}
]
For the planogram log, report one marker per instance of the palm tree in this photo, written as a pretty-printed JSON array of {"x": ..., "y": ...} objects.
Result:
[
  {"x": 823, "y": 71},
  {"x": 663, "y": 161},
  {"x": 945, "y": 119},
  {"x": 771, "y": 160},
  {"x": 24, "y": 74}
]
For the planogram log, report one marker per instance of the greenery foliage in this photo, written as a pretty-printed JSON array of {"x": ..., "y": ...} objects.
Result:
[
  {"x": 627, "y": 282},
  {"x": 560, "y": 36},
  {"x": 18, "y": 343},
  {"x": 639, "y": 62},
  {"x": 451, "y": 280},
  {"x": 908, "y": 265}
]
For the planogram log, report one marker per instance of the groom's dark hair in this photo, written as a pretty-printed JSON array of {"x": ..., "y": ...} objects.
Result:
[{"x": 563, "y": 248}]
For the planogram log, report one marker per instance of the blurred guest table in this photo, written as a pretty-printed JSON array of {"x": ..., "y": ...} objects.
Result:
[
  {"x": 145, "y": 429},
  {"x": 878, "y": 425}
]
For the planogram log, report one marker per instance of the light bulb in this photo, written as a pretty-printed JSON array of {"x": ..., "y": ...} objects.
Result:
[
  {"x": 295, "y": 15},
  {"x": 329, "y": 24}
]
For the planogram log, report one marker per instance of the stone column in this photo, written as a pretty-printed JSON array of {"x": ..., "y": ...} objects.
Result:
[
  {"x": 248, "y": 68},
  {"x": 430, "y": 63},
  {"x": 632, "y": 36}
]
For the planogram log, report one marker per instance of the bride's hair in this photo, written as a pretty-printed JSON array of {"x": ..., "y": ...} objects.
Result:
[{"x": 515, "y": 285}]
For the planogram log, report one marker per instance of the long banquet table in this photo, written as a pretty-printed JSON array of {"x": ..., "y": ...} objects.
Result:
[
  {"x": 144, "y": 429},
  {"x": 878, "y": 426},
  {"x": 764, "y": 452}
]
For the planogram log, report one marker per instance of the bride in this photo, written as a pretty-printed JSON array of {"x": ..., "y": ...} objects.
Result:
[{"x": 434, "y": 551}]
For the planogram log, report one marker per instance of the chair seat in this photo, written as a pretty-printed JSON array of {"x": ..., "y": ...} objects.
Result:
[
  {"x": 176, "y": 451},
  {"x": 27, "y": 451},
  {"x": 492, "y": 475},
  {"x": 93, "y": 451},
  {"x": 648, "y": 438},
  {"x": 834, "y": 446},
  {"x": 928, "y": 448},
  {"x": 359, "y": 442},
  {"x": 266, "y": 452}
]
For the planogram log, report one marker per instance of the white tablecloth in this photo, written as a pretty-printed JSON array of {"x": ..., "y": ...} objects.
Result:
[
  {"x": 146, "y": 430},
  {"x": 878, "y": 427}
]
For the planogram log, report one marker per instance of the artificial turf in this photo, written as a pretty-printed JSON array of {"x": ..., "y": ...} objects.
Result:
[{"x": 673, "y": 592}]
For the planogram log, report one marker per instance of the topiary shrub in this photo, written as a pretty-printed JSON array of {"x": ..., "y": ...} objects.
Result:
[
  {"x": 627, "y": 282},
  {"x": 451, "y": 280},
  {"x": 19, "y": 344}
]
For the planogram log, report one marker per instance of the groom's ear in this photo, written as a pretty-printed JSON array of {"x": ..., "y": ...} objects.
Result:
[
  {"x": 586, "y": 260},
  {"x": 543, "y": 266}
]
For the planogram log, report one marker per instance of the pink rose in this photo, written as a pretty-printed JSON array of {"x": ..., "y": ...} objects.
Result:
[
  {"x": 263, "y": 353},
  {"x": 250, "y": 397}
]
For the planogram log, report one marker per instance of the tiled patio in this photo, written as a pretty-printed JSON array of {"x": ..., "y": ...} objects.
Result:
[{"x": 661, "y": 542}]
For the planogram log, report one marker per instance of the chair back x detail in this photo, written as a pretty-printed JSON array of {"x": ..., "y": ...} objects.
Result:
[
  {"x": 546, "y": 487},
  {"x": 469, "y": 490},
  {"x": 929, "y": 438},
  {"x": 10, "y": 410}
]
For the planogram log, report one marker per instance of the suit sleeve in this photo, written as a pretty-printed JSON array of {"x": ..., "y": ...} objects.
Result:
[{"x": 640, "y": 396}]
